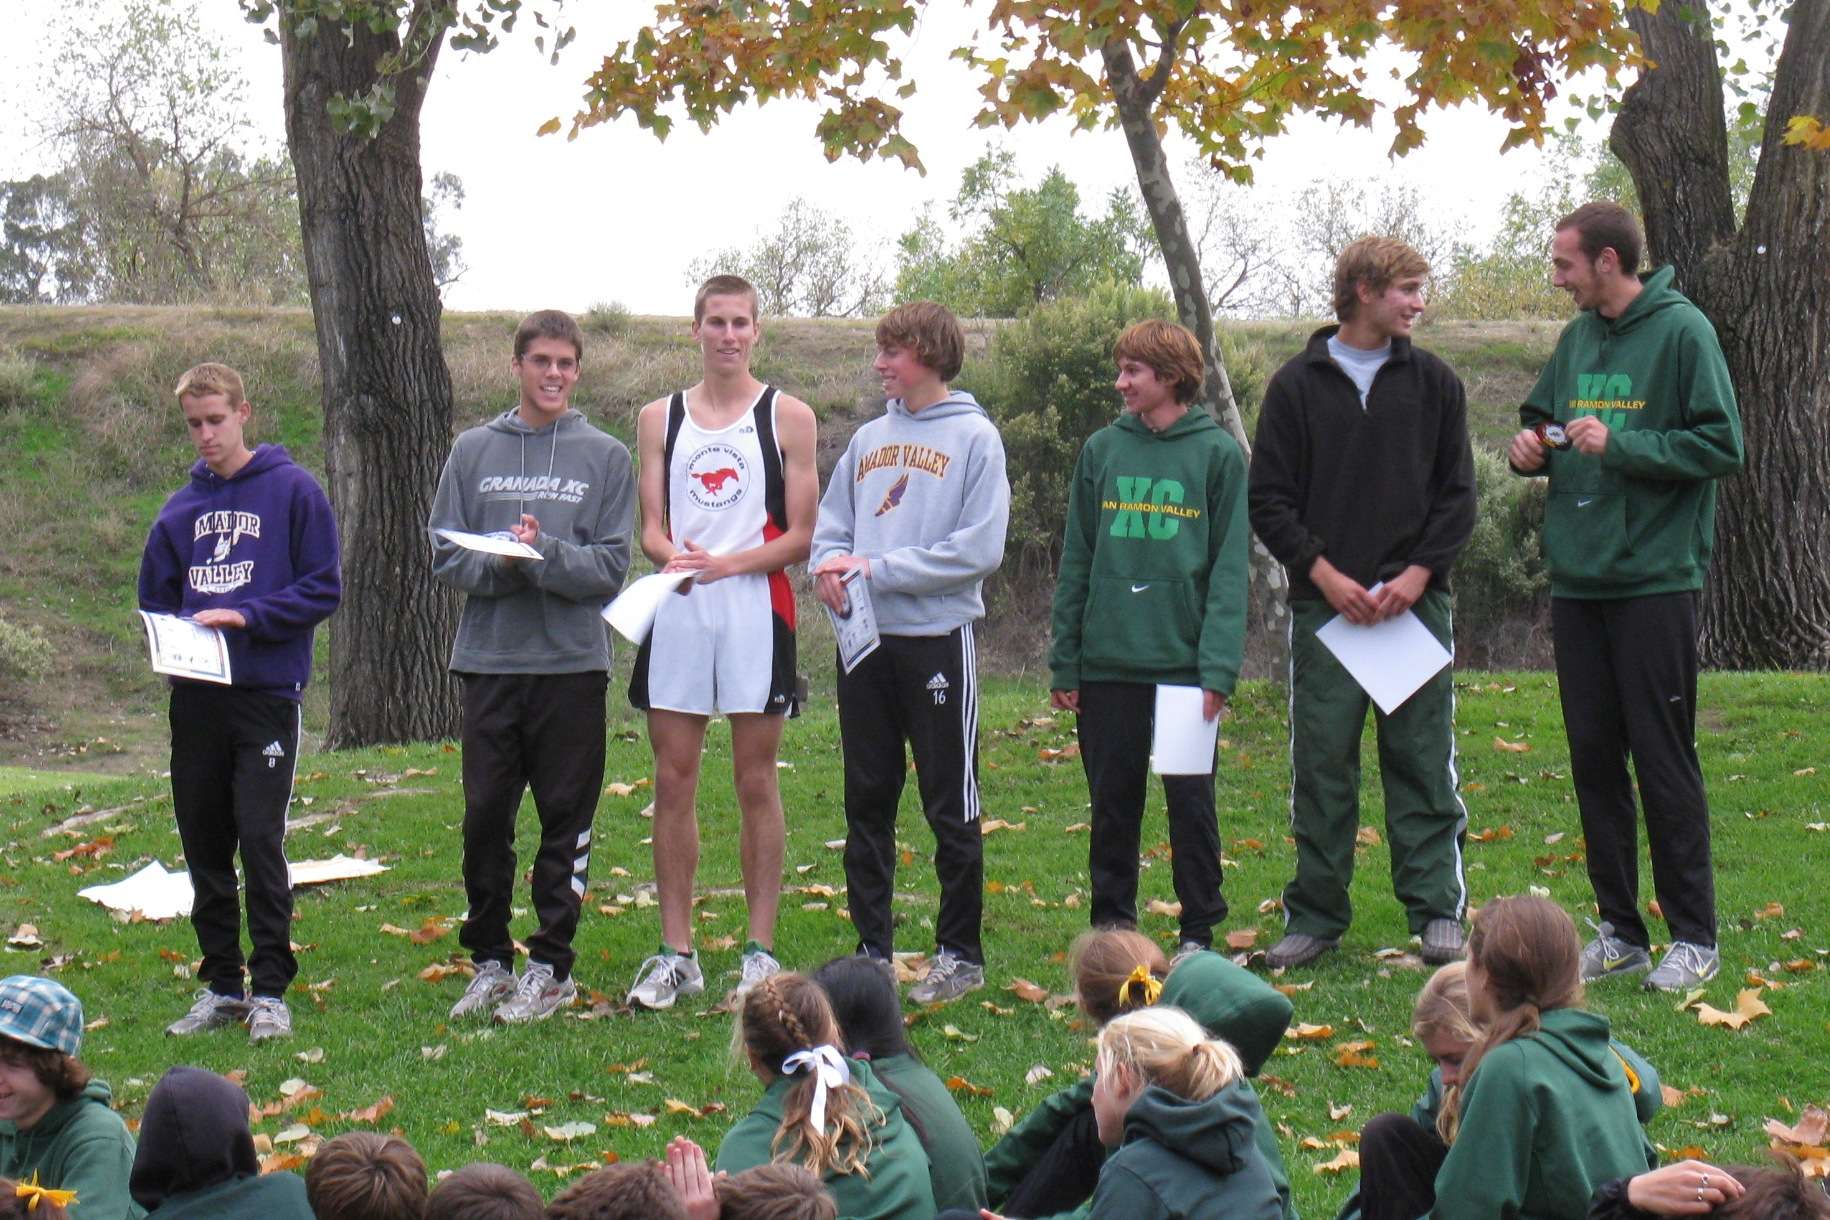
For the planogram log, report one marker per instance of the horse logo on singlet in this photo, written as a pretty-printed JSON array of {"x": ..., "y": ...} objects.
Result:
[{"x": 716, "y": 475}]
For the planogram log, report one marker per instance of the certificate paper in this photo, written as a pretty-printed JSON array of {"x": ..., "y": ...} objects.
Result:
[
  {"x": 186, "y": 649},
  {"x": 634, "y": 610},
  {"x": 1390, "y": 660},
  {"x": 856, "y": 629},
  {"x": 1181, "y": 742},
  {"x": 502, "y": 543}
]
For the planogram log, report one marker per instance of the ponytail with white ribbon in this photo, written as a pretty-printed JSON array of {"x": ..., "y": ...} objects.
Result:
[{"x": 830, "y": 1071}]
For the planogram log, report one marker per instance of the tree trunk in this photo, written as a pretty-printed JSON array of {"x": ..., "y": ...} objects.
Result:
[
  {"x": 386, "y": 389},
  {"x": 1183, "y": 259},
  {"x": 1766, "y": 287}
]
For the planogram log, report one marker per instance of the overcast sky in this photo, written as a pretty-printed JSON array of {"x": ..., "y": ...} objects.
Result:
[{"x": 617, "y": 215}]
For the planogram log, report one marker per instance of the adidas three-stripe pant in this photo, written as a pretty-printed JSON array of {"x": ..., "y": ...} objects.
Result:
[
  {"x": 232, "y": 765},
  {"x": 521, "y": 731},
  {"x": 922, "y": 690}
]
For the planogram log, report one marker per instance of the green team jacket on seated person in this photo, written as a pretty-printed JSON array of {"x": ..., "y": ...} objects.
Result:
[
  {"x": 898, "y": 1187},
  {"x": 1648, "y": 1100},
  {"x": 1232, "y": 1004},
  {"x": 1193, "y": 1159},
  {"x": 957, "y": 1168},
  {"x": 1545, "y": 1119}
]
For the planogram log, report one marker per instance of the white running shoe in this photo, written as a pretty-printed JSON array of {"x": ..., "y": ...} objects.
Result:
[
  {"x": 490, "y": 986},
  {"x": 664, "y": 978}
]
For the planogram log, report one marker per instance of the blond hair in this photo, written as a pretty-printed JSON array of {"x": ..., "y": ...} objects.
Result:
[
  {"x": 786, "y": 1013},
  {"x": 1168, "y": 1048},
  {"x": 1443, "y": 1010},
  {"x": 1375, "y": 262},
  {"x": 211, "y": 378}
]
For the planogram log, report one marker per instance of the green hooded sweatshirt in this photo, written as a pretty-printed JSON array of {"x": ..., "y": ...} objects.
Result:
[
  {"x": 1195, "y": 1159},
  {"x": 1640, "y": 518},
  {"x": 1648, "y": 1100},
  {"x": 1153, "y": 561},
  {"x": 1232, "y": 1004},
  {"x": 79, "y": 1145},
  {"x": 898, "y": 1186},
  {"x": 1545, "y": 1119}
]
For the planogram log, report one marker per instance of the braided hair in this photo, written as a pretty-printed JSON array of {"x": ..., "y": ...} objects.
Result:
[{"x": 785, "y": 1013}]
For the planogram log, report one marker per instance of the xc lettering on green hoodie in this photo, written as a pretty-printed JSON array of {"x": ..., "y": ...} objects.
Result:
[{"x": 1143, "y": 507}]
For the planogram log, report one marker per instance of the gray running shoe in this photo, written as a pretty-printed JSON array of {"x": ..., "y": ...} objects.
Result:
[
  {"x": 1685, "y": 966},
  {"x": 1443, "y": 942},
  {"x": 664, "y": 978},
  {"x": 489, "y": 987},
  {"x": 1608, "y": 955},
  {"x": 268, "y": 1018},
  {"x": 211, "y": 1011},
  {"x": 1186, "y": 950},
  {"x": 1297, "y": 949},
  {"x": 948, "y": 978},
  {"x": 757, "y": 966},
  {"x": 537, "y": 996}
]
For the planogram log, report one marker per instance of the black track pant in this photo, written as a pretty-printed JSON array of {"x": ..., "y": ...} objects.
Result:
[
  {"x": 1115, "y": 730},
  {"x": 544, "y": 731},
  {"x": 1398, "y": 1164},
  {"x": 1627, "y": 672},
  {"x": 925, "y": 690},
  {"x": 233, "y": 752}
]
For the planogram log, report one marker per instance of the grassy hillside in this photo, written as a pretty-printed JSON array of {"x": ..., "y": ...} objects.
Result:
[{"x": 91, "y": 444}]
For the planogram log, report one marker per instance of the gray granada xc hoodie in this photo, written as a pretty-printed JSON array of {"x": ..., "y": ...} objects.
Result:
[
  {"x": 923, "y": 496},
  {"x": 523, "y": 616}
]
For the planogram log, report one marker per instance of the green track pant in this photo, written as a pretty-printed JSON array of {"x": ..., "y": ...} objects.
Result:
[{"x": 1425, "y": 822}]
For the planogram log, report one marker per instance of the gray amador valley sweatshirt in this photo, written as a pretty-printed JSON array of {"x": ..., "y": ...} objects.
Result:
[
  {"x": 523, "y": 616},
  {"x": 923, "y": 496}
]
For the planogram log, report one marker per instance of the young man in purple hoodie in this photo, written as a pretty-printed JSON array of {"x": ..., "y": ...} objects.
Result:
[{"x": 248, "y": 546}]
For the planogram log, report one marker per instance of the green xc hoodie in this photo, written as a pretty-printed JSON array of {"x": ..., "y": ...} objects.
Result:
[
  {"x": 1182, "y": 1158},
  {"x": 1544, "y": 1120},
  {"x": 1153, "y": 561},
  {"x": 1640, "y": 518}
]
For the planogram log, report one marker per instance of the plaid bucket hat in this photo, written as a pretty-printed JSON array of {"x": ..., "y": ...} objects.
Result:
[{"x": 41, "y": 1012}]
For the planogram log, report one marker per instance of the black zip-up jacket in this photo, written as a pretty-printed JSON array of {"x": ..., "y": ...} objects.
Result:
[{"x": 1374, "y": 489}]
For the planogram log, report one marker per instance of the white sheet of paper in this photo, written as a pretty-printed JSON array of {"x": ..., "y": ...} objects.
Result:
[
  {"x": 1181, "y": 742},
  {"x": 1390, "y": 660},
  {"x": 186, "y": 649},
  {"x": 633, "y": 611},
  {"x": 856, "y": 629},
  {"x": 152, "y": 891},
  {"x": 491, "y": 544},
  {"x": 337, "y": 868},
  {"x": 158, "y": 894}
]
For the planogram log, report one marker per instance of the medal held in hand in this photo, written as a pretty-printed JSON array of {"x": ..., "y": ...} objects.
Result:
[{"x": 1552, "y": 435}]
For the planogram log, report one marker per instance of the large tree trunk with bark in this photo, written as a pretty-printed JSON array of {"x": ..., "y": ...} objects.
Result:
[
  {"x": 1136, "y": 99},
  {"x": 1766, "y": 287},
  {"x": 386, "y": 389}
]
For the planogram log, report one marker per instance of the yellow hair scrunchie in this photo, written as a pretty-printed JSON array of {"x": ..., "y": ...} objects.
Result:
[
  {"x": 36, "y": 1193},
  {"x": 1141, "y": 977}
]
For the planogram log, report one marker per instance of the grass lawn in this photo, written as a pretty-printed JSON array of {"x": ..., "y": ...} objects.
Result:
[{"x": 370, "y": 1026}]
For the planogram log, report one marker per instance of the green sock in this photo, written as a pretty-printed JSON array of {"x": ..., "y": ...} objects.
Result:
[
  {"x": 668, "y": 950},
  {"x": 756, "y": 946}
]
